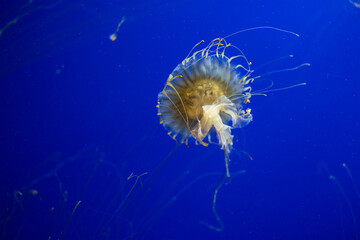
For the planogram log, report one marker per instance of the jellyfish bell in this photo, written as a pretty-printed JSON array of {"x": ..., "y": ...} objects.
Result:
[{"x": 113, "y": 37}]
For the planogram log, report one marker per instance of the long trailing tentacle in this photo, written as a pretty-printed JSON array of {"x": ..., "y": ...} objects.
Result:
[{"x": 220, "y": 226}]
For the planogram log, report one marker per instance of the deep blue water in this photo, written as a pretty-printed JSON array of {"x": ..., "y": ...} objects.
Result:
[{"x": 78, "y": 117}]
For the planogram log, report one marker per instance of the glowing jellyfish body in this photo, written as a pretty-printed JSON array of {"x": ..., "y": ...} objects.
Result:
[
  {"x": 206, "y": 93},
  {"x": 113, "y": 36}
]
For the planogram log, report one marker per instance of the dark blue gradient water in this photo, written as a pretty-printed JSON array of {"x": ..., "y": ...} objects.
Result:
[{"x": 79, "y": 123}]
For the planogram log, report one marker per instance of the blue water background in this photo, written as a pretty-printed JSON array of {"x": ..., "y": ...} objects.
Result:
[{"x": 78, "y": 117}]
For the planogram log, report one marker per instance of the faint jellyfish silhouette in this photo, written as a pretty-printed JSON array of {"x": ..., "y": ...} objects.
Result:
[
  {"x": 27, "y": 9},
  {"x": 114, "y": 35},
  {"x": 347, "y": 199},
  {"x": 356, "y": 3}
]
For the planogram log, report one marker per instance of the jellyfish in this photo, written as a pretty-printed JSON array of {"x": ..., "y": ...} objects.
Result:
[
  {"x": 207, "y": 93},
  {"x": 113, "y": 36}
]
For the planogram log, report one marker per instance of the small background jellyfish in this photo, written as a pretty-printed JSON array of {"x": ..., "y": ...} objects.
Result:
[{"x": 113, "y": 36}]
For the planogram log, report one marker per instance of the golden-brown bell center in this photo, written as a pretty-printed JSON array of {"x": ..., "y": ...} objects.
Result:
[{"x": 203, "y": 92}]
